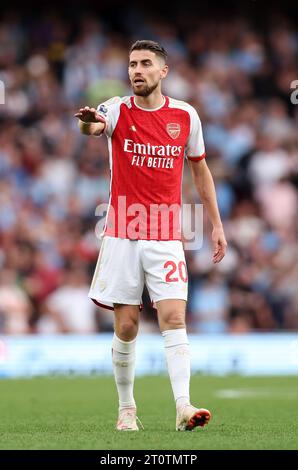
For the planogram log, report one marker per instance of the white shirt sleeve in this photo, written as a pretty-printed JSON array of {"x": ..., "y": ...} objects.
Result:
[
  {"x": 195, "y": 147},
  {"x": 110, "y": 111}
]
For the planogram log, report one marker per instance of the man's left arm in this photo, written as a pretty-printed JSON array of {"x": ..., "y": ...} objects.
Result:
[{"x": 205, "y": 186}]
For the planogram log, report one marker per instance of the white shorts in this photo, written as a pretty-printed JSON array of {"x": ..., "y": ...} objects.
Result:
[{"x": 124, "y": 266}]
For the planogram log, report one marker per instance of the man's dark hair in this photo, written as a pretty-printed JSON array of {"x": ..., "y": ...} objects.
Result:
[{"x": 146, "y": 44}]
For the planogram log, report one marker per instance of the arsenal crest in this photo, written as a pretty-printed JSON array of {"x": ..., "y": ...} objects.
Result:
[{"x": 173, "y": 129}]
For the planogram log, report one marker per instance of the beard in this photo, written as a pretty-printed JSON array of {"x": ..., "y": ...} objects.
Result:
[{"x": 145, "y": 90}]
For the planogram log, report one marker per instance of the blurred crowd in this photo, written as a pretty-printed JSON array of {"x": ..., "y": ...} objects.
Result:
[{"x": 52, "y": 178}]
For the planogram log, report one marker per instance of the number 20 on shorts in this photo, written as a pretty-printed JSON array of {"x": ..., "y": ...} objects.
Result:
[{"x": 181, "y": 268}]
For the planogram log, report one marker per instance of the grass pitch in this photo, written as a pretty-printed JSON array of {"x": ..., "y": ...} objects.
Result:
[{"x": 80, "y": 413}]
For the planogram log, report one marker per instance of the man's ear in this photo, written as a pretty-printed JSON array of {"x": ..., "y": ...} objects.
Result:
[{"x": 164, "y": 71}]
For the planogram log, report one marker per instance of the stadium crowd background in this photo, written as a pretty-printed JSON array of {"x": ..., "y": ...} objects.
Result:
[{"x": 236, "y": 70}]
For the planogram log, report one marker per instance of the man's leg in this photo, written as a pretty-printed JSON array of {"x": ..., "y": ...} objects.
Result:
[
  {"x": 171, "y": 318},
  {"x": 126, "y": 326}
]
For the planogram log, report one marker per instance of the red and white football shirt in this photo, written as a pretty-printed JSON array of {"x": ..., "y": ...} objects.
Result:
[{"x": 146, "y": 151}]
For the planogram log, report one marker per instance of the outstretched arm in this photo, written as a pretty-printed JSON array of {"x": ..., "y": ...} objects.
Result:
[
  {"x": 205, "y": 186},
  {"x": 90, "y": 122}
]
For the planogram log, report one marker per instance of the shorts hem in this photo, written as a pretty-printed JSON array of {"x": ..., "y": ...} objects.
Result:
[
  {"x": 108, "y": 303},
  {"x": 169, "y": 297}
]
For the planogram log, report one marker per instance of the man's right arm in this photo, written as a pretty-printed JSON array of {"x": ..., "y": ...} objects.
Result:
[
  {"x": 91, "y": 128},
  {"x": 90, "y": 121}
]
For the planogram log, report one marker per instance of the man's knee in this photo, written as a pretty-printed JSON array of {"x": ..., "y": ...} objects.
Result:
[
  {"x": 172, "y": 320},
  {"x": 126, "y": 323},
  {"x": 126, "y": 330}
]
